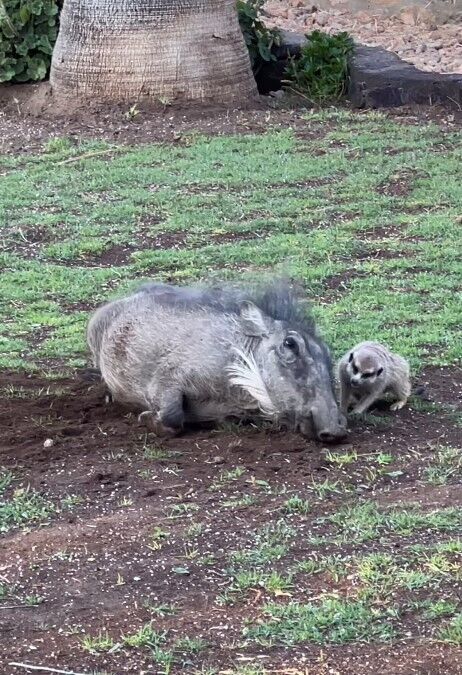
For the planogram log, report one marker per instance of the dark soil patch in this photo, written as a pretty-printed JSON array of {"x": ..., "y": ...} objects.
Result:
[
  {"x": 400, "y": 184},
  {"x": 95, "y": 566},
  {"x": 388, "y": 232}
]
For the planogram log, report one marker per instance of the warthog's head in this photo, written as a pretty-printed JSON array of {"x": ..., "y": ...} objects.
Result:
[{"x": 288, "y": 367}]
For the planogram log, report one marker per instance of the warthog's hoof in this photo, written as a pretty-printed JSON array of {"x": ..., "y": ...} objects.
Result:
[{"x": 155, "y": 426}]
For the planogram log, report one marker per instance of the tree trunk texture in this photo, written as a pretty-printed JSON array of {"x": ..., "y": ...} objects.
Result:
[{"x": 162, "y": 50}]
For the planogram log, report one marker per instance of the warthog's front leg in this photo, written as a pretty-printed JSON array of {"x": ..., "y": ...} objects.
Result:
[{"x": 166, "y": 416}]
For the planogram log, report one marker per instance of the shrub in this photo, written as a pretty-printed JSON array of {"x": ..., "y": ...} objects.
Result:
[
  {"x": 258, "y": 38},
  {"x": 28, "y": 30},
  {"x": 321, "y": 71}
]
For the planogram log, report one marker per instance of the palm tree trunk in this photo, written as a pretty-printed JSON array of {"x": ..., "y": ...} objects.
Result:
[{"x": 161, "y": 50}]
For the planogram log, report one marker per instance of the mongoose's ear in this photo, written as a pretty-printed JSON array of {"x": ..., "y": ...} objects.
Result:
[
  {"x": 350, "y": 358},
  {"x": 380, "y": 371}
]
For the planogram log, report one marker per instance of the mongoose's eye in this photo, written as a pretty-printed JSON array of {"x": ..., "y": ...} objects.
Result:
[
  {"x": 355, "y": 370},
  {"x": 291, "y": 343}
]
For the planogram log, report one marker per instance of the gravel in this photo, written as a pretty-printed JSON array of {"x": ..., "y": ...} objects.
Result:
[{"x": 413, "y": 34}]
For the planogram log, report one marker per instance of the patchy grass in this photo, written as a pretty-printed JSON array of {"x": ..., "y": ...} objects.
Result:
[
  {"x": 75, "y": 234},
  {"x": 330, "y": 621},
  {"x": 240, "y": 550},
  {"x": 21, "y": 506}
]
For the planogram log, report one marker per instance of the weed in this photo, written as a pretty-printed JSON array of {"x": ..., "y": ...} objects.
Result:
[
  {"x": 146, "y": 636},
  {"x": 383, "y": 458},
  {"x": 6, "y": 478},
  {"x": 25, "y": 506},
  {"x": 332, "y": 564},
  {"x": 320, "y": 72},
  {"x": 261, "y": 555},
  {"x": 333, "y": 620},
  {"x": 164, "y": 658},
  {"x": 179, "y": 510},
  {"x": 70, "y": 501},
  {"x": 160, "y": 610},
  {"x": 365, "y": 521},
  {"x": 227, "y": 476},
  {"x": 447, "y": 464},
  {"x": 132, "y": 112},
  {"x": 194, "y": 530},
  {"x": 155, "y": 453},
  {"x": 33, "y": 600},
  {"x": 241, "y": 502},
  {"x": 297, "y": 504},
  {"x": 57, "y": 145},
  {"x": 439, "y": 608},
  {"x": 157, "y": 538},
  {"x": 324, "y": 488},
  {"x": 341, "y": 459},
  {"x": 272, "y": 583},
  {"x": 191, "y": 645},
  {"x": 100, "y": 643},
  {"x": 452, "y": 631}
]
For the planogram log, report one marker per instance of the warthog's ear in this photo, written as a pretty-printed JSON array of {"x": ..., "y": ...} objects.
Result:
[{"x": 253, "y": 320}]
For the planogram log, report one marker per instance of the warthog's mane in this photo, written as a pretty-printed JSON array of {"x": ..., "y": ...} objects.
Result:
[{"x": 276, "y": 299}]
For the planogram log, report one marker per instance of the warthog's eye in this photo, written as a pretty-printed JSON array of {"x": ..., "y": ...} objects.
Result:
[{"x": 291, "y": 343}]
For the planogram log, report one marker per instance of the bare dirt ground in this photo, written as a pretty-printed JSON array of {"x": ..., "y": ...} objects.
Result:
[
  {"x": 413, "y": 33},
  {"x": 94, "y": 568},
  {"x": 28, "y": 119}
]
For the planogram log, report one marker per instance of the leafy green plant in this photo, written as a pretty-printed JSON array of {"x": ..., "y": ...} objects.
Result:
[
  {"x": 258, "y": 38},
  {"x": 320, "y": 72},
  {"x": 28, "y": 31}
]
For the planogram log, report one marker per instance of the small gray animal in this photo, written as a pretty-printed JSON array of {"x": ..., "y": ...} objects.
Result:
[
  {"x": 200, "y": 354},
  {"x": 369, "y": 370}
]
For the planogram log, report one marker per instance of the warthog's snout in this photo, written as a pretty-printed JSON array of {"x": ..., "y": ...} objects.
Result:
[
  {"x": 333, "y": 432},
  {"x": 324, "y": 431},
  {"x": 332, "y": 435}
]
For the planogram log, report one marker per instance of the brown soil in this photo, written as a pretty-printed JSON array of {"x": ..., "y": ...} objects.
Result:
[
  {"x": 93, "y": 566},
  {"x": 28, "y": 119}
]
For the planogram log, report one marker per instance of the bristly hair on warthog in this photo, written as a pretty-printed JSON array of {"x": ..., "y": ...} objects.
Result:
[{"x": 206, "y": 352}]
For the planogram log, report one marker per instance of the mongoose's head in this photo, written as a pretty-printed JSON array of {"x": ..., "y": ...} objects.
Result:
[{"x": 363, "y": 367}]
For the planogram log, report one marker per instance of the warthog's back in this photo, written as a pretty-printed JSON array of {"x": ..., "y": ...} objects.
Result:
[{"x": 146, "y": 340}]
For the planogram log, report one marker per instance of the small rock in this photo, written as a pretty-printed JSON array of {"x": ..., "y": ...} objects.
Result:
[
  {"x": 322, "y": 18},
  {"x": 277, "y": 94},
  {"x": 218, "y": 460},
  {"x": 425, "y": 18},
  {"x": 420, "y": 49},
  {"x": 408, "y": 16},
  {"x": 362, "y": 17},
  {"x": 279, "y": 12},
  {"x": 48, "y": 443}
]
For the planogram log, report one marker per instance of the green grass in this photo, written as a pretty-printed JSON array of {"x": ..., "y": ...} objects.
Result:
[
  {"x": 452, "y": 632},
  {"x": 22, "y": 506},
  {"x": 365, "y": 521},
  {"x": 284, "y": 196},
  {"x": 331, "y": 621}
]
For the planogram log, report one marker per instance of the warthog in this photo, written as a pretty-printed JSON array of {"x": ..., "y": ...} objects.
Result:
[{"x": 191, "y": 355}]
